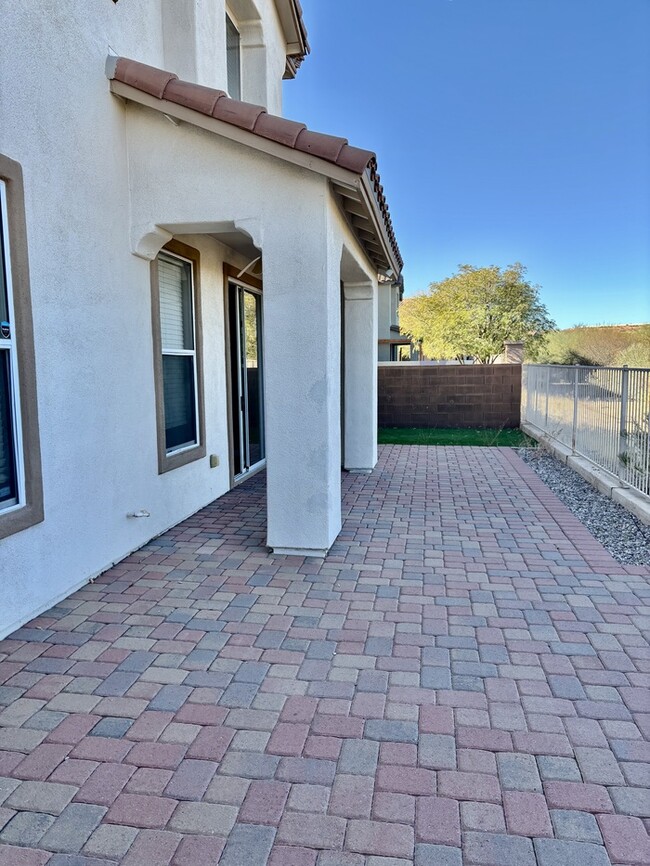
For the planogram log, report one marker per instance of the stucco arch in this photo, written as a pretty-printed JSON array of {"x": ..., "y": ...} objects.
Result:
[
  {"x": 244, "y": 10},
  {"x": 244, "y": 235}
]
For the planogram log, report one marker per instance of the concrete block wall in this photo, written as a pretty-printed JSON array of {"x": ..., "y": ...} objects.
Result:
[{"x": 478, "y": 395}]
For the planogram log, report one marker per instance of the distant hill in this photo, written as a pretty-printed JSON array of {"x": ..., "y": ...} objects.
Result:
[{"x": 598, "y": 345}]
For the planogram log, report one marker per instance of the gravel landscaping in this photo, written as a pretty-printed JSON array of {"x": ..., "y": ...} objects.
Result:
[{"x": 621, "y": 533}]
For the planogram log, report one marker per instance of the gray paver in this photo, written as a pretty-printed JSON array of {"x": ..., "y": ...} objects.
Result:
[
  {"x": 249, "y": 765},
  {"x": 437, "y": 751},
  {"x": 435, "y": 678},
  {"x": 359, "y": 757},
  {"x": 497, "y": 849},
  {"x": 49, "y": 797},
  {"x": 111, "y": 726},
  {"x": 248, "y": 845},
  {"x": 556, "y": 852},
  {"x": 26, "y": 828},
  {"x": 391, "y": 731},
  {"x": 7, "y": 785},
  {"x": 575, "y": 826},
  {"x": 518, "y": 772},
  {"x": 552, "y": 768},
  {"x": 111, "y": 841},
  {"x": 437, "y": 855},
  {"x": 71, "y": 830},
  {"x": 599, "y": 766},
  {"x": 631, "y": 801},
  {"x": 205, "y": 818},
  {"x": 170, "y": 697}
]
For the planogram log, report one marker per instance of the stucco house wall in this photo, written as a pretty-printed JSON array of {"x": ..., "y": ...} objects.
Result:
[{"x": 99, "y": 173}]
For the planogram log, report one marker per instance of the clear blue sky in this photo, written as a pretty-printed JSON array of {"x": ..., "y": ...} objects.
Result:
[{"x": 506, "y": 130}]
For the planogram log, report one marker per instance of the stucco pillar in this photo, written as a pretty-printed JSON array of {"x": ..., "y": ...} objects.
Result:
[
  {"x": 302, "y": 327},
  {"x": 360, "y": 376}
]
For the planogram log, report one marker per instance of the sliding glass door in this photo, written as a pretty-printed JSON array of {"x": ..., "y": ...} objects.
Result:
[{"x": 246, "y": 377}]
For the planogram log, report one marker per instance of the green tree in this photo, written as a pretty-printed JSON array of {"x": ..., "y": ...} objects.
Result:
[{"x": 474, "y": 311}]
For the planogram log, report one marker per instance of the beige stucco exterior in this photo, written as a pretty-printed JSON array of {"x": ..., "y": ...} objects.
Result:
[{"x": 107, "y": 183}]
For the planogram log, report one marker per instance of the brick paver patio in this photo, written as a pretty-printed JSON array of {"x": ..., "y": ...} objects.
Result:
[{"x": 463, "y": 680}]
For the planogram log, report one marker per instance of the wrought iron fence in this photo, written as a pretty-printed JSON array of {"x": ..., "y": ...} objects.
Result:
[{"x": 602, "y": 413}]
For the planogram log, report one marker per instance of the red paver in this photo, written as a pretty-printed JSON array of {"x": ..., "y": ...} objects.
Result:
[
  {"x": 526, "y": 814},
  {"x": 479, "y": 787},
  {"x": 438, "y": 821},
  {"x": 461, "y": 603},
  {"x": 577, "y": 795},
  {"x": 626, "y": 839},
  {"x": 264, "y": 803},
  {"x": 197, "y": 850},
  {"x": 139, "y": 810},
  {"x": 105, "y": 784}
]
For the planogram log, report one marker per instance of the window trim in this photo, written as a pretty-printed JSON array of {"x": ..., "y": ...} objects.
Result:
[
  {"x": 28, "y": 511},
  {"x": 181, "y": 456}
]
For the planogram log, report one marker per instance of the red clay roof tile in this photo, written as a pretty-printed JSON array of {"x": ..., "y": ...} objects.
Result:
[
  {"x": 354, "y": 159},
  {"x": 193, "y": 96},
  {"x": 318, "y": 144},
  {"x": 149, "y": 79},
  {"x": 241, "y": 114},
  {"x": 215, "y": 103},
  {"x": 278, "y": 129}
]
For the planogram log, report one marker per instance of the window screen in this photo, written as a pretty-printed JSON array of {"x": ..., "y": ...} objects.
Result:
[{"x": 233, "y": 59}]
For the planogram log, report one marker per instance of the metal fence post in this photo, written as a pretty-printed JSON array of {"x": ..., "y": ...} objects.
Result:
[
  {"x": 575, "y": 409},
  {"x": 622, "y": 454},
  {"x": 548, "y": 388}
]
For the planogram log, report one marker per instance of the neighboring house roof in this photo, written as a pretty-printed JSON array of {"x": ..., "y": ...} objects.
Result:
[{"x": 365, "y": 204}]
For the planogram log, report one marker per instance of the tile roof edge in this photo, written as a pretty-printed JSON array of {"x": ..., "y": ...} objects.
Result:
[{"x": 211, "y": 102}]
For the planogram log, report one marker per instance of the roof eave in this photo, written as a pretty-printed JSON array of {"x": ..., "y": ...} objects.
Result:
[
  {"x": 379, "y": 223},
  {"x": 361, "y": 185},
  {"x": 295, "y": 34},
  {"x": 234, "y": 133}
]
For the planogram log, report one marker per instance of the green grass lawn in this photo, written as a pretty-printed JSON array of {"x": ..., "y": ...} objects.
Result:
[{"x": 474, "y": 436}]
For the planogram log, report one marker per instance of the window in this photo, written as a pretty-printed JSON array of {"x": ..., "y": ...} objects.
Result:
[
  {"x": 233, "y": 59},
  {"x": 176, "y": 317},
  {"x": 21, "y": 501}
]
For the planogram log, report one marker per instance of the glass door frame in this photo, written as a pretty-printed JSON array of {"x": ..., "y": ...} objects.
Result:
[{"x": 238, "y": 402}]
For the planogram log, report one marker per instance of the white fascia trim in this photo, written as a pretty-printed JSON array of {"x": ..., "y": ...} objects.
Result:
[{"x": 290, "y": 21}]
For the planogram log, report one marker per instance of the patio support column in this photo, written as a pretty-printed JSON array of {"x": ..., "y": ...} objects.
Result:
[
  {"x": 302, "y": 327},
  {"x": 360, "y": 376}
]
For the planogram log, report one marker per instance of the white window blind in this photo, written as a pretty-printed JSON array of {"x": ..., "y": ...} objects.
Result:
[{"x": 175, "y": 305}]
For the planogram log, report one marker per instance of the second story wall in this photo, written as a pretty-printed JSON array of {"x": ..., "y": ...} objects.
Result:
[{"x": 195, "y": 39}]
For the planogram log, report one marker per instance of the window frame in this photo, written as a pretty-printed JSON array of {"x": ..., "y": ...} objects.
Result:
[
  {"x": 173, "y": 458},
  {"x": 28, "y": 509},
  {"x": 231, "y": 21}
]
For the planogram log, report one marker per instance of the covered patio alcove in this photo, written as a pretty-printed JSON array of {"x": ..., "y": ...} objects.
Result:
[{"x": 319, "y": 297}]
